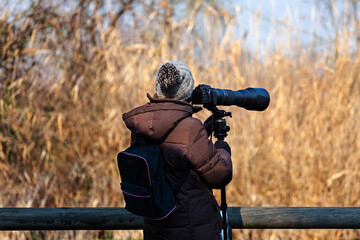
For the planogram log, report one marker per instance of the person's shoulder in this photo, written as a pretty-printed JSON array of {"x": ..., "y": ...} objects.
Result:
[
  {"x": 193, "y": 128},
  {"x": 191, "y": 122}
]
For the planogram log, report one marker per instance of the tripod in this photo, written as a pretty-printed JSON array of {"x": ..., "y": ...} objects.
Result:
[{"x": 220, "y": 132}]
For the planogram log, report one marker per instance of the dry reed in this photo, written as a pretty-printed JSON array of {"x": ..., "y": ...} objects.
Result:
[{"x": 66, "y": 79}]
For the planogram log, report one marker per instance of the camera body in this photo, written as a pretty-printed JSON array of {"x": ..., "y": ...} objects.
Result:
[{"x": 256, "y": 99}]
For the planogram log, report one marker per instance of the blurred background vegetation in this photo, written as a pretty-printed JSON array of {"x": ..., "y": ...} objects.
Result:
[{"x": 69, "y": 69}]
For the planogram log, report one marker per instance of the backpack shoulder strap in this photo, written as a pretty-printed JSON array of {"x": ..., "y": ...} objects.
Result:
[{"x": 176, "y": 189}]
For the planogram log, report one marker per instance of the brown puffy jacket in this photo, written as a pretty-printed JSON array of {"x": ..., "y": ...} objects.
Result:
[{"x": 184, "y": 140}]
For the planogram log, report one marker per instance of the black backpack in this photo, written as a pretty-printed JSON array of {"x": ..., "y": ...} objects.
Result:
[{"x": 145, "y": 189}]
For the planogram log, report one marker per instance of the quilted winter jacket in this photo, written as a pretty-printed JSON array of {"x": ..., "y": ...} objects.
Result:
[{"x": 183, "y": 140}]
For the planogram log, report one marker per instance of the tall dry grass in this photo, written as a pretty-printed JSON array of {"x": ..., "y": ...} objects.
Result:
[{"x": 67, "y": 77}]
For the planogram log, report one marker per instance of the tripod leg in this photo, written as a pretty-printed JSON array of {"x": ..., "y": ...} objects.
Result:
[{"x": 223, "y": 208}]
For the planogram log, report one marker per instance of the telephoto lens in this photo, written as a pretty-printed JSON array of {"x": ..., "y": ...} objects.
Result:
[{"x": 256, "y": 99}]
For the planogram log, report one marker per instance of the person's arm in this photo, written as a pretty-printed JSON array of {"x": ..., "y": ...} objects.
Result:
[{"x": 213, "y": 165}]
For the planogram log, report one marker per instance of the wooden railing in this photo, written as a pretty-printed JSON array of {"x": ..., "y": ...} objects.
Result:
[{"x": 119, "y": 218}]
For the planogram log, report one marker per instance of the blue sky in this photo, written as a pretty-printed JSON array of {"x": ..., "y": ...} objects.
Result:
[
  {"x": 266, "y": 23},
  {"x": 269, "y": 22}
]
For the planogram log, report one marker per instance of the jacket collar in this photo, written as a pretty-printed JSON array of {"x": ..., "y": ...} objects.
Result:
[{"x": 162, "y": 100}]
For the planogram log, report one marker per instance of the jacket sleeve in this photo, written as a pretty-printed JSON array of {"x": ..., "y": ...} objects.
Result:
[{"x": 212, "y": 165}]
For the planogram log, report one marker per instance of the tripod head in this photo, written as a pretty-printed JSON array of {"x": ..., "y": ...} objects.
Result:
[{"x": 219, "y": 126}]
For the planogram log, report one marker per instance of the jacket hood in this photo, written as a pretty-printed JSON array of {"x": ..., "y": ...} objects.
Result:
[{"x": 155, "y": 120}]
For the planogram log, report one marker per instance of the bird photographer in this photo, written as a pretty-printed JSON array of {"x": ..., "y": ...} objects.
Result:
[{"x": 191, "y": 162}]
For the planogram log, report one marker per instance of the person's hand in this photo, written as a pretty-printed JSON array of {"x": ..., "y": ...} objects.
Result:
[
  {"x": 208, "y": 124},
  {"x": 223, "y": 145}
]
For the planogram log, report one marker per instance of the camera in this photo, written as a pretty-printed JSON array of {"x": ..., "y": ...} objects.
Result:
[{"x": 256, "y": 99}]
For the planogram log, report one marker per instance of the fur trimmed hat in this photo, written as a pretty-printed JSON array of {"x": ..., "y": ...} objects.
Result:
[{"x": 174, "y": 81}]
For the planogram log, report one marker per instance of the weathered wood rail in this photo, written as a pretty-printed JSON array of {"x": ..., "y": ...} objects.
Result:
[{"x": 119, "y": 218}]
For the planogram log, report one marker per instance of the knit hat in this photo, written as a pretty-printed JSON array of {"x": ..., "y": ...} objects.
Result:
[{"x": 174, "y": 81}]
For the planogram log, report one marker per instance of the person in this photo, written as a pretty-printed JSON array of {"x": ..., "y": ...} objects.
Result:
[{"x": 186, "y": 147}]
